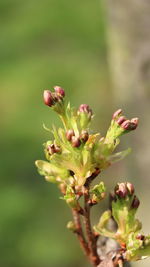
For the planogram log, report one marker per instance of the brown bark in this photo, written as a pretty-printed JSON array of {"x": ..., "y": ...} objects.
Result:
[{"x": 79, "y": 232}]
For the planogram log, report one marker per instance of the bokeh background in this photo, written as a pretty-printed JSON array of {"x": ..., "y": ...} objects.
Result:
[{"x": 88, "y": 48}]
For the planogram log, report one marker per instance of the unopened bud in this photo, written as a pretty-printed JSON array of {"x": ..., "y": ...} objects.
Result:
[
  {"x": 59, "y": 91},
  {"x": 140, "y": 237},
  {"x": 134, "y": 123},
  {"x": 126, "y": 125},
  {"x": 130, "y": 188},
  {"x": 48, "y": 98},
  {"x": 84, "y": 136},
  {"x": 135, "y": 203},
  {"x": 71, "y": 226},
  {"x": 130, "y": 125},
  {"x": 85, "y": 108},
  {"x": 53, "y": 149},
  {"x": 121, "y": 190},
  {"x": 117, "y": 113},
  {"x": 69, "y": 134},
  {"x": 121, "y": 120},
  {"x": 75, "y": 141},
  {"x": 57, "y": 149}
]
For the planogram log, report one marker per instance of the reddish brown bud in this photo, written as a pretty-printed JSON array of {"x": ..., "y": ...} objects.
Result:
[
  {"x": 53, "y": 149},
  {"x": 60, "y": 91},
  {"x": 57, "y": 149},
  {"x": 140, "y": 237},
  {"x": 121, "y": 190},
  {"x": 135, "y": 203},
  {"x": 75, "y": 141},
  {"x": 84, "y": 136},
  {"x": 134, "y": 123},
  {"x": 135, "y": 120},
  {"x": 126, "y": 125},
  {"x": 69, "y": 134},
  {"x": 48, "y": 98},
  {"x": 121, "y": 120},
  {"x": 130, "y": 188},
  {"x": 117, "y": 113},
  {"x": 130, "y": 125},
  {"x": 85, "y": 108}
]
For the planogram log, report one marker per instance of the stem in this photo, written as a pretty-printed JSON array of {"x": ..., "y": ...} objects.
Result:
[
  {"x": 64, "y": 120},
  {"x": 92, "y": 241},
  {"x": 79, "y": 232}
]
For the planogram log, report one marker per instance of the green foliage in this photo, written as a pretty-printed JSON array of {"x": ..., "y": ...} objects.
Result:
[{"x": 74, "y": 149}]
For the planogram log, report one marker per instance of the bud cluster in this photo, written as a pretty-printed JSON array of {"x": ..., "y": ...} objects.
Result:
[
  {"x": 85, "y": 114},
  {"x": 123, "y": 190},
  {"x": 51, "y": 98},
  {"x": 51, "y": 149},
  {"x": 127, "y": 125},
  {"x": 77, "y": 141}
]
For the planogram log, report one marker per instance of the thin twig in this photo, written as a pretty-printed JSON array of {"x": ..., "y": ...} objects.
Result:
[
  {"x": 79, "y": 232},
  {"x": 92, "y": 242}
]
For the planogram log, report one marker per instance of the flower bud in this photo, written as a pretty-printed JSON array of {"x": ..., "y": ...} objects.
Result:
[
  {"x": 53, "y": 149},
  {"x": 121, "y": 190},
  {"x": 135, "y": 203},
  {"x": 130, "y": 188},
  {"x": 126, "y": 125},
  {"x": 84, "y": 136},
  {"x": 71, "y": 226},
  {"x": 69, "y": 134},
  {"x": 130, "y": 125},
  {"x": 140, "y": 236},
  {"x": 117, "y": 113},
  {"x": 57, "y": 149},
  {"x": 75, "y": 141},
  {"x": 85, "y": 108},
  {"x": 121, "y": 120},
  {"x": 134, "y": 123},
  {"x": 59, "y": 91},
  {"x": 48, "y": 98}
]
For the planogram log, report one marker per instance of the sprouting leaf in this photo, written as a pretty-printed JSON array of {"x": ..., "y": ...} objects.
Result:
[
  {"x": 47, "y": 129},
  {"x": 119, "y": 155}
]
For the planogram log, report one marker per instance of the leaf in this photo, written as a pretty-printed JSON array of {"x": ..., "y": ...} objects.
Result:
[
  {"x": 119, "y": 155},
  {"x": 101, "y": 227},
  {"x": 47, "y": 129}
]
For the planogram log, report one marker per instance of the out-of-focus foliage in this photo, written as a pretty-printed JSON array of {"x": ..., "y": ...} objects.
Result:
[{"x": 43, "y": 43}]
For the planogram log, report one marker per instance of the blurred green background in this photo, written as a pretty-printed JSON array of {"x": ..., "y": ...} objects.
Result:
[{"x": 42, "y": 44}]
